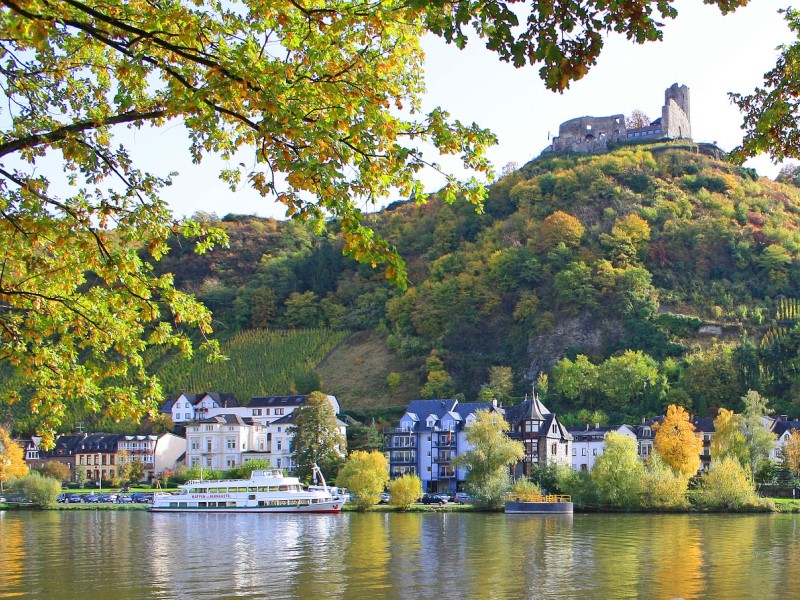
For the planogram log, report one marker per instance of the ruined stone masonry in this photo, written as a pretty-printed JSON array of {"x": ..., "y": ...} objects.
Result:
[{"x": 592, "y": 134}]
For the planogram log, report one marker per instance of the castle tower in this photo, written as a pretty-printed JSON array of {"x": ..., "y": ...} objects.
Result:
[{"x": 675, "y": 116}]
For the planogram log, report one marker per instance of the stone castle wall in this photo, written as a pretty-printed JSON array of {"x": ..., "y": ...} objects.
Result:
[{"x": 592, "y": 134}]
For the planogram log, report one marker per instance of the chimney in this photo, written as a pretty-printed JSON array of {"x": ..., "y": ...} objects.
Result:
[
  {"x": 597, "y": 425},
  {"x": 784, "y": 418},
  {"x": 643, "y": 420}
]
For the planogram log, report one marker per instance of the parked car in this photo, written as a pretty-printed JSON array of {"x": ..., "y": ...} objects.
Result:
[
  {"x": 124, "y": 499},
  {"x": 142, "y": 497},
  {"x": 75, "y": 498},
  {"x": 91, "y": 499},
  {"x": 2, "y": 499},
  {"x": 385, "y": 498},
  {"x": 462, "y": 498},
  {"x": 433, "y": 499}
]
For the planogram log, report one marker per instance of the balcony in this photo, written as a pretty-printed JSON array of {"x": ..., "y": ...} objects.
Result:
[{"x": 444, "y": 459}]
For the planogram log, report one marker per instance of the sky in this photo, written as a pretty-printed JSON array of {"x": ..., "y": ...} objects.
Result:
[{"x": 710, "y": 53}]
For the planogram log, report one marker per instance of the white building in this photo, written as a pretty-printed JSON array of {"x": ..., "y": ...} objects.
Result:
[
  {"x": 225, "y": 438},
  {"x": 588, "y": 444},
  {"x": 191, "y": 407}
]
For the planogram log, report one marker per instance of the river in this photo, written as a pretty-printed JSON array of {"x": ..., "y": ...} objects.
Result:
[{"x": 120, "y": 555}]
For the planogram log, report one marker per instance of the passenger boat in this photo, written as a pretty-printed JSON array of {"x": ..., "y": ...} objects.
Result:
[{"x": 265, "y": 491}]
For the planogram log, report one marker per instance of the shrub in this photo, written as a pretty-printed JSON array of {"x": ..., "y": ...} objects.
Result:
[
  {"x": 525, "y": 490},
  {"x": 365, "y": 474},
  {"x": 39, "y": 490},
  {"x": 663, "y": 487},
  {"x": 727, "y": 486},
  {"x": 405, "y": 491}
]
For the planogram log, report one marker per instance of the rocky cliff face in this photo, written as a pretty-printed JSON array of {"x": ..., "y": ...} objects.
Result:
[{"x": 588, "y": 335}]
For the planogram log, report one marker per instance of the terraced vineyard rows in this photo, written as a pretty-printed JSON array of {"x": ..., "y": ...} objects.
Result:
[{"x": 259, "y": 363}]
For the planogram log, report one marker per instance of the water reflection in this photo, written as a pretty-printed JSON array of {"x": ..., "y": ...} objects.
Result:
[{"x": 121, "y": 555}]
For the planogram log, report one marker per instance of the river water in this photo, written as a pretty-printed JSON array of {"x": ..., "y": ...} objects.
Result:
[{"x": 120, "y": 555}]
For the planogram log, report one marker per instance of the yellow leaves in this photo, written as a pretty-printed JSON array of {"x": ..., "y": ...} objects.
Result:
[{"x": 676, "y": 441}]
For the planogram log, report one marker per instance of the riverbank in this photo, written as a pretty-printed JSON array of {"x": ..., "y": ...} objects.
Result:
[{"x": 778, "y": 505}]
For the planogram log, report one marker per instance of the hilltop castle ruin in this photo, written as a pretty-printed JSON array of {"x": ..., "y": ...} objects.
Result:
[{"x": 592, "y": 134}]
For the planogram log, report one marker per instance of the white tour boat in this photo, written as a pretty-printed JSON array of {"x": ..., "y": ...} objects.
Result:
[{"x": 265, "y": 491}]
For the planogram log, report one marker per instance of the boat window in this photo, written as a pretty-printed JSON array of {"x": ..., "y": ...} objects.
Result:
[
  {"x": 273, "y": 488},
  {"x": 263, "y": 489},
  {"x": 252, "y": 489},
  {"x": 283, "y": 488},
  {"x": 242, "y": 489},
  {"x": 201, "y": 491}
]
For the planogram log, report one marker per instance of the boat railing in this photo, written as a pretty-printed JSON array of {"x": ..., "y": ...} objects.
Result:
[
  {"x": 278, "y": 474},
  {"x": 540, "y": 498}
]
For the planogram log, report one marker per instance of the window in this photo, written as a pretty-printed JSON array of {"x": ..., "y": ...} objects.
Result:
[
  {"x": 278, "y": 463},
  {"x": 279, "y": 445},
  {"x": 584, "y": 452},
  {"x": 553, "y": 448},
  {"x": 195, "y": 461},
  {"x": 594, "y": 451},
  {"x": 208, "y": 445},
  {"x": 279, "y": 429},
  {"x": 554, "y": 428},
  {"x": 266, "y": 412},
  {"x": 195, "y": 445},
  {"x": 256, "y": 412},
  {"x": 231, "y": 443},
  {"x": 574, "y": 452},
  {"x": 278, "y": 412},
  {"x": 187, "y": 416},
  {"x": 208, "y": 428}
]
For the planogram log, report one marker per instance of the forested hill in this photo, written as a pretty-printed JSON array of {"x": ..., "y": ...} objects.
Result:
[
  {"x": 627, "y": 280},
  {"x": 624, "y": 281}
]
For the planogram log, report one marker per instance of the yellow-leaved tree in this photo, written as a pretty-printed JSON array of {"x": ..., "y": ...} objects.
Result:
[
  {"x": 12, "y": 459},
  {"x": 405, "y": 491},
  {"x": 365, "y": 474},
  {"x": 728, "y": 440},
  {"x": 790, "y": 453},
  {"x": 677, "y": 443}
]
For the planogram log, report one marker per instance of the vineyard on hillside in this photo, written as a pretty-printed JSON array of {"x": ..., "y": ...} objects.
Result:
[{"x": 260, "y": 363}]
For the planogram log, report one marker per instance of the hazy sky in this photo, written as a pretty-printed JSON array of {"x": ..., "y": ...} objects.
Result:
[{"x": 711, "y": 54}]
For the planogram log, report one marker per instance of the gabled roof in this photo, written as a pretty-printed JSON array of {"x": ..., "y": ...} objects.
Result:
[
  {"x": 465, "y": 409},
  {"x": 703, "y": 425},
  {"x": 227, "y": 418},
  {"x": 223, "y": 399},
  {"x": 438, "y": 408},
  {"x": 530, "y": 409},
  {"x": 781, "y": 426},
  {"x": 99, "y": 442},
  {"x": 269, "y": 401}
]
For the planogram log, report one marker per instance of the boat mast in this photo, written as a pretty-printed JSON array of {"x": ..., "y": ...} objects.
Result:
[{"x": 316, "y": 472}]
